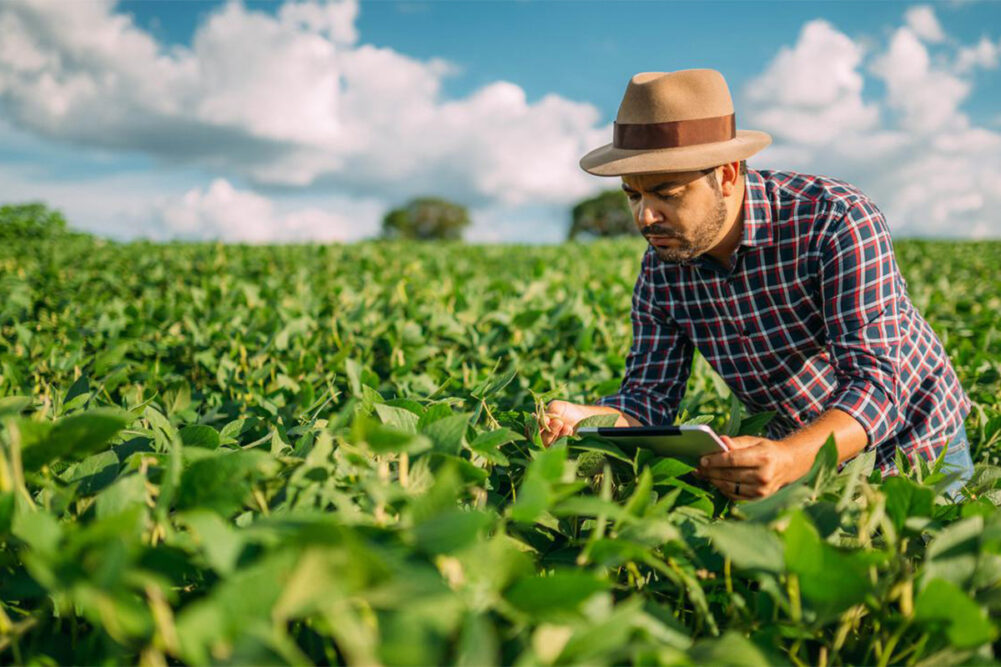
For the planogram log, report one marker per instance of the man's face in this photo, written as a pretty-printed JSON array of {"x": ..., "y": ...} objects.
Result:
[{"x": 681, "y": 214}]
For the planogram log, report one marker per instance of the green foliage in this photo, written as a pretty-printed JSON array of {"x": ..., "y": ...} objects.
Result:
[
  {"x": 34, "y": 220},
  {"x": 426, "y": 218},
  {"x": 604, "y": 215},
  {"x": 260, "y": 455}
]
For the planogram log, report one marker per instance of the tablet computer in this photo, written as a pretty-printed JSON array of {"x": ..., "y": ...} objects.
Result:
[{"x": 687, "y": 442}]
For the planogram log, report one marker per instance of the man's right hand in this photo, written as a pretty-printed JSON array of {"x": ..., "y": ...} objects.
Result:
[{"x": 560, "y": 419}]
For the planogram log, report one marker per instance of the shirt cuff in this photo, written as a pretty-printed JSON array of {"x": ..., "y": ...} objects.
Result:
[
  {"x": 870, "y": 405},
  {"x": 635, "y": 407}
]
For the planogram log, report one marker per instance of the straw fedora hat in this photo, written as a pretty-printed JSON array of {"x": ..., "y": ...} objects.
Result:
[{"x": 674, "y": 121}]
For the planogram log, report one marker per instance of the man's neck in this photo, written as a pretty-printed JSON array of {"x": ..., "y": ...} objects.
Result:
[{"x": 721, "y": 251}]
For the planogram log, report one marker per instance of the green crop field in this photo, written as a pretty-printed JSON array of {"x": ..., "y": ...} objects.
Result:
[{"x": 329, "y": 454}]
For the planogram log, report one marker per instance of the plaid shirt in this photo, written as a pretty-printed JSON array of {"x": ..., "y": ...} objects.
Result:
[{"x": 813, "y": 315}]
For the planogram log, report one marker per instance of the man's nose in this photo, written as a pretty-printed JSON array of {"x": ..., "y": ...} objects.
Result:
[{"x": 648, "y": 215}]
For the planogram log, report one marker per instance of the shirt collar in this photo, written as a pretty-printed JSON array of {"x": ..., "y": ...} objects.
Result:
[{"x": 757, "y": 229}]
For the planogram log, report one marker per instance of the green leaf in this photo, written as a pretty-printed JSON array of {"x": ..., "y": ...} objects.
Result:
[
  {"x": 124, "y": 494},
  {"x": 906, "y": 499},
  {"x": 562, "y": 592},
  {"x": 221, "y": 542},
  {"x": 755, "y": 424},
  {"x": 448, "y": 435},
  {"x": 606, "y": 447},
  {"x": 14, "y": 405},
  {"x": 732, "y": 649},
  {"x": 73, "y": 437},
  {"x": 200, "y": 435},
  {"x": 94, "y": 472},
  {"x": 589, "y": 506},
  {"x": 943, "y": 605},
  {"x": 492, "y": 386},
  {"x": 829, "y": 579},
  {"x": 39, "y": 529},
  {"x": 750, "y": 546},
  {"x": 732, "y": 427},
  {"x": 669, "y": 468},
  {"x": 640, "y": 498},
  {"x": 222, "y": 482},
  {"x": 597, "y": 421},
  {"x": 383, "y": 439},
  {"x": 353, "y": 370},
  {"x": 535, "y": 493},
  {"x": 400, "y": 419},
  {"x": 451, "y": 530},
  {"x": 488, "y": 444}
]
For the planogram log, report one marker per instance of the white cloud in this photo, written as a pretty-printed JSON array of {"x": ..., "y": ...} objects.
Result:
[
  {"x": 290, "y": 99},
  {"x": 793, "y": 102},
  {"x": 928, "y": 168},
  {"x": 927, "y": 97},
  {"x": 129, "y": 200},
  {"x": 922, "y": 21},
  {"x": 984, "y": 54},
  {"x": 222, "y": 212}
]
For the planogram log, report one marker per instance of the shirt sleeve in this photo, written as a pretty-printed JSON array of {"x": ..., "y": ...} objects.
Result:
[
  {"x": 861, "y": 290},
  {"x": 659, "y": 360}
]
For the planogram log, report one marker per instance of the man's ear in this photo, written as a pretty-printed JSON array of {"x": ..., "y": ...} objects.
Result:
[{"x": 729, "y": 178}]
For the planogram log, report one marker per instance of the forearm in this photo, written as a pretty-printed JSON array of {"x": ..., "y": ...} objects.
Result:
[{"x": 849, "y": 437}]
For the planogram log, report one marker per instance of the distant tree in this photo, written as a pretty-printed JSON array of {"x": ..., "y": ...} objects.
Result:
[
  {"x": 30, "y": 221},
  {"x": 607, "y": 214},
  {"x": 426, "y": 218}
]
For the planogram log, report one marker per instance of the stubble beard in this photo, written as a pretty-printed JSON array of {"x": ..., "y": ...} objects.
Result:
[{"x": 688, "y": 249}]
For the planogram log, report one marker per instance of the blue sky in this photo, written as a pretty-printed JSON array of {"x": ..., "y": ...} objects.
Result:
[{"x": 272, "y": 121}]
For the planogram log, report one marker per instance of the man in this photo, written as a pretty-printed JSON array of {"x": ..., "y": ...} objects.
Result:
[{"x": 785, "y": 282}]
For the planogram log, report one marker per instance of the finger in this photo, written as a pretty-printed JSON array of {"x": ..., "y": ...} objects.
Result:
[
  {"x": 734, "y": 492},
  {"x": 738, "y": 458},
  {"x": 556, "y": 425},
  {"x": 565, "y": 430},
  {"x": 746, "y": 476},
  {"x": 552, "y": 433},
  {"x": 550, "y": 423},
  {"x": 738, "y": 442},
  {"x": 746, "y": 491}
]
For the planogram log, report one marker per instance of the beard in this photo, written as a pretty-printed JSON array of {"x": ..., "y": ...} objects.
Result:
[{"x": 705, "y": 233}]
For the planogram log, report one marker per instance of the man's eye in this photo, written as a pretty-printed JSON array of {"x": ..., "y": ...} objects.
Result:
[{"x": 633, "y": 197}]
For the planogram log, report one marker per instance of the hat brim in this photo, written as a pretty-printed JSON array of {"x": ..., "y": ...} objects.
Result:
[{"x": 611, "y": 161}]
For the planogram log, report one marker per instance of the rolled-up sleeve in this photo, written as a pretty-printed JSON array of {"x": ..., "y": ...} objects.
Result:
[
  {"x": 659, "y": 360},
  {"x": 861, "y": 290}
]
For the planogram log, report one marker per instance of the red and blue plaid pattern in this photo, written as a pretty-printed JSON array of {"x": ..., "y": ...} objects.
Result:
[{"x": 813, "y": 315}]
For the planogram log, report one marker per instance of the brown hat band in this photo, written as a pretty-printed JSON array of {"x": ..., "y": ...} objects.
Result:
[{"x": 675, "y": 133}]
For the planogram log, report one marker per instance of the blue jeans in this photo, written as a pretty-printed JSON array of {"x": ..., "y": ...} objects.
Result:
[{"x": 957, "y": 458}]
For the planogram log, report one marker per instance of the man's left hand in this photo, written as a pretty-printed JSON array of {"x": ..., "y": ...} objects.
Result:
[{"x": 753, "y": 468}]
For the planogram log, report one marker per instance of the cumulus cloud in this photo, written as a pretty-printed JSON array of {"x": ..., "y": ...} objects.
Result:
[
  {"x": 292, "y": 100},
  {"x": 791, "y": 100},
  {"x": 928, "y": 97},
  {"x": 915, "y": 151},
  {"x": 923, "y": 22},
  {"x": 984, "y": 53},
  {"x": 223, "y": 212}
]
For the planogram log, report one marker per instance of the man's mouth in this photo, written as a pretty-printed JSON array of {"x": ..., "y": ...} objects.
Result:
[{"x": 661, "y": 240}]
